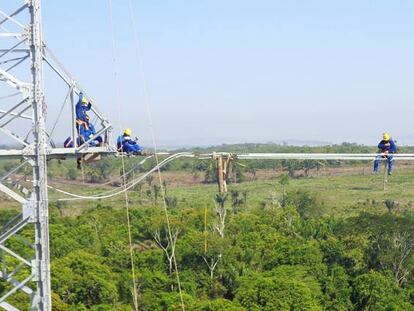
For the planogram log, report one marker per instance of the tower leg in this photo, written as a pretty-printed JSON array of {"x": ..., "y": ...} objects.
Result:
[{"x": 42, "y": 296}]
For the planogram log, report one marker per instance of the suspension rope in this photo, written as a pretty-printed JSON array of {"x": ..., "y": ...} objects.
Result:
[
  {"x": 9, "y": 96},
  {"x": 131, "y": 251},
  {"x": 111, "y": 193},
  {"x": 131, "y": 254},
  {"x": 60, "y": 114},
  {"x": 114, "y": 192},
  {"x": 129, "y": 172},
  {"x": 82, "y": 168},
  {"x": 151, "y": 125}
]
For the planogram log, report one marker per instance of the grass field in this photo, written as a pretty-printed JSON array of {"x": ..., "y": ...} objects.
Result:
[{"x": 338, "y": 195}]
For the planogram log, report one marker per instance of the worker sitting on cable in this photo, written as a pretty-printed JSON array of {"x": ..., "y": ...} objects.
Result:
[
  {"x": 82, "y": 107},
  {"x": 387, "y": 148},
  {"x": 126, "y": 144},
  {"x": 86, "y": 132}
]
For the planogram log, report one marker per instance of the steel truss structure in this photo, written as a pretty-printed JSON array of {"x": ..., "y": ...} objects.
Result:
[{"x": 22, "y": 55}]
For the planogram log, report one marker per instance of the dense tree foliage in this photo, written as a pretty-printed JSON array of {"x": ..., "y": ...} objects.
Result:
[
  {"x": 283, "y": 257},
  {"x": 282, "y": 253}
]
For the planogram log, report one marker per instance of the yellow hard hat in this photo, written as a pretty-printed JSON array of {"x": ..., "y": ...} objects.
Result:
[
  {"x": 386, "y": 136},
  {"x": 127, "y": 132},
  {"x": 84, "y": 100}
]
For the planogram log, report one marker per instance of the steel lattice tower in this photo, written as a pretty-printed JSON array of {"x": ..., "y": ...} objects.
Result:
[{"x": 23, "y": 52}]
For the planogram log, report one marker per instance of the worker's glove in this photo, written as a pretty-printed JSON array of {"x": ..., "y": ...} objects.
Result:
[{"x": 136, "y": 138}]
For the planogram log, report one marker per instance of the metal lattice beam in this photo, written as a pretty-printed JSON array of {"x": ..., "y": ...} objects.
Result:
[{"x": 23, "y": 47}]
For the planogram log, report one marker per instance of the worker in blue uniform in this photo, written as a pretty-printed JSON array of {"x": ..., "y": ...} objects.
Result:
[
  {"x": 82, "y": 106},
  {"x": 86, "y": 132},
  {"x": 126, "y": 144},
  {"x": 387, "y": 148},
  {"x": 85, "y": 128}
]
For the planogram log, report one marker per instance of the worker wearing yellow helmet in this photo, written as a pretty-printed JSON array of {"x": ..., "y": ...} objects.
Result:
[
  {"x": 128, "y": 145},
  {"x": 85, "y": 129},
  {"x": 387, "y": 148},
  {"x": 82, "y": 107}
]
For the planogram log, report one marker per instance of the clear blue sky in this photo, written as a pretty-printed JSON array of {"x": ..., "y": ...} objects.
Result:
[{"x": 246, "y": 71}]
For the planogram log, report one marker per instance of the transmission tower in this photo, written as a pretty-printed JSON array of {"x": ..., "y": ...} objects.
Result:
[{"x": 22, "y": 56}]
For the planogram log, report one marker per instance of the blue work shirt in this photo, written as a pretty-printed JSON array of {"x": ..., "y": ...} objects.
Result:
[
  {"x": 86, "y": 131},
  {"x": 389, "y": 146},
  {"x": 127, "y": 145},
  {"x": 82, "y": 109}
]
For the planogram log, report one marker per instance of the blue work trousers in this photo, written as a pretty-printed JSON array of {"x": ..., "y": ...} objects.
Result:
[
  {"x": 379, "y": 158},
  {"x": 131, "y": 148}
]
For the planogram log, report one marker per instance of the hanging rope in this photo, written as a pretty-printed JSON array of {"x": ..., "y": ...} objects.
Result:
[
  {"x": 147, "y": 104},
  {"x": 131, "y": 171},
  {"x": 60, "y": 114},
  {"x": 131, "y": 184},
  {"x": 9, "y": 96},
  {"x": 131, "y": 251}
]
